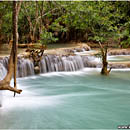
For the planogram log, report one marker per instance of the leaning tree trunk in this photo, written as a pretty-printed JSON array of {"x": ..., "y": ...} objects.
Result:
[
  {"x": 104, "y": 70},
  {"x": 12, "y": 66},
  {"x": 5, "y": 83}
]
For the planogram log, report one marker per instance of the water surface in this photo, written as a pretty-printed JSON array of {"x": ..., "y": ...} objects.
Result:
[
  {"x": 119, "y": 58},
  {"x": 72, "y": 100}
]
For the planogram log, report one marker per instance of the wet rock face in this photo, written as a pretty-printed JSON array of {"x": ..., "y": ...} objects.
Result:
[
  {"x": 37, "y": 70},
  {"x": 85, "y": 47},
  {"x": 80, "y": 48}
]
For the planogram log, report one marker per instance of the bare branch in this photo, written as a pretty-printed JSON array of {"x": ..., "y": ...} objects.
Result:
[
  {"x": 28, "y": 17},
  {"x": 7, "y": 87},
  {"x": 47, "y": 13},
  {"x": 102, "y": 50}
]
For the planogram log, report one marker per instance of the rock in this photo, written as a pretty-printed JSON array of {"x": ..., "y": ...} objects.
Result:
[
  {"x": 85, "y": 46},
  {"x": 78, "y": 49},
  {"x": 37, "y": 70}
]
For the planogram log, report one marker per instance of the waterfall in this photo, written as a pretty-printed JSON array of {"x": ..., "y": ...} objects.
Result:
[
  {"x": 49, "y": 63},
  {"x": 5, "y": 61},
  {"x": 0, "y": 98},
  {"x": 3, "y": 71},
  {"x": 25, "y": 67},
  {"x": 52, "y": 63},
  {"x": 91, "y": 61}
]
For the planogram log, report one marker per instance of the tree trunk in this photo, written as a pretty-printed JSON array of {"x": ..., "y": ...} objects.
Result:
[
  {"x": 41, "y": 20},
  {"x": 12, "y": 67},
  {"x": 15, "y": 40},
  {"x": 5, "y": 83},
  {"x": 0, "y": 31},
  {"x": 33, "y": 27},
  {"x": 104, "y": 70}
]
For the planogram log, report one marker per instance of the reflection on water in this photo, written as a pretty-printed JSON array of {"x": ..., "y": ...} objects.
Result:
[{"x": 82, "y": 99}]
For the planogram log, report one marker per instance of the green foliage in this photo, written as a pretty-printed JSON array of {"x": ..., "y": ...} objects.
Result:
[
  {"x": 100, "y": 20},
  {"x": 55, "y": 26},
  {"x": 126, "y": 38},
  {"x": 6, "y": 19},
  {"x": 47, "y": 37}
]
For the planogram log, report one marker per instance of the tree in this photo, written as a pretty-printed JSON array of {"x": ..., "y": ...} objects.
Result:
[
  {"x": 73, "y": 20},
  {"x": 29, "y": 8},
  {"x": 104, "y": 70},
  {"x": 12, "y": 66}
]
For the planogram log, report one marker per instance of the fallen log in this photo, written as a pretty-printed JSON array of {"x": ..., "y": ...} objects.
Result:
[{"x": 32, "y": 46}]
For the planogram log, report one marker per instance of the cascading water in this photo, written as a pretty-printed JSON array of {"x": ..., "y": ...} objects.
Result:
[
  {"x": 25, "y": 67},
  {"x": 4, "y": 61},
  {"x": 3, "y": 71},
  {"x": 50, "y": 63},
  {"x": 0, "y": 98},
  {"x": 55, "y": 63}
]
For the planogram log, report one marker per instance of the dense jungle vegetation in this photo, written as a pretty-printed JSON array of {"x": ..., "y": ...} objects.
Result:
[{"x": 61, "y": 21}]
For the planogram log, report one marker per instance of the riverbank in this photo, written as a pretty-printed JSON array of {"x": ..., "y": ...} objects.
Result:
[
  {"x": 69, "y": 48},
  {"x": 53, "y": 55},
  {"x": 51, "y": 49}
]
